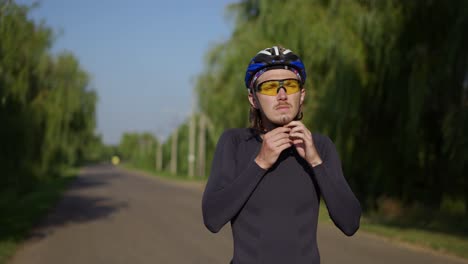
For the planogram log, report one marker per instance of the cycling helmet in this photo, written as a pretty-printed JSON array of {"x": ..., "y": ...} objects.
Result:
[{"x": 275, "y": 57}]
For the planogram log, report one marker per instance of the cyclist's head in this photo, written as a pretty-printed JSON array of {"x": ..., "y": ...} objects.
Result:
[
  {"x": 275, "y": 57},
  {"x": 270, "y": 70}
]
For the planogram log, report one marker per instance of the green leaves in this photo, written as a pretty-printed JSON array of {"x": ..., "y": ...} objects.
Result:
[
  {"x": 47, "y": 110},
  {"x": 385, "y": 83}
]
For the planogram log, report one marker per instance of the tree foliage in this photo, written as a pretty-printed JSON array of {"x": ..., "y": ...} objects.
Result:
[
  {"x": 47, "y": 110},
  {"x": 388, "y": 82},
  {"x": 139, "y": 149}
]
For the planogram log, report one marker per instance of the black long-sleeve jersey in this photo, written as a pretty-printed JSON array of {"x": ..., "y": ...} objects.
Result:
[{"x": 274, "y": 212}]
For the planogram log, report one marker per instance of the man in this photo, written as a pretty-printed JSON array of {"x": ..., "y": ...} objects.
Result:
[{"x": 267, "y": 180}]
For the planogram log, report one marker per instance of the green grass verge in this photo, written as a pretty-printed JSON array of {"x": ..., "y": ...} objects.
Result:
[
  {"x": 20, "y": 212},
  {"x": 449, "y": 244},
  {"x": 444, "y": 243}
]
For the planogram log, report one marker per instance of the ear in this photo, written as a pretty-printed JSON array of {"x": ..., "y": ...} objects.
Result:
[
  {"x": 303, "y": 93},
  {"x": 252, "y": 101}
]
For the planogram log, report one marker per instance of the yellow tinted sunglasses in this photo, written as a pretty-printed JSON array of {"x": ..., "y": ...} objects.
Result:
[{"x": 272, "y": 87}]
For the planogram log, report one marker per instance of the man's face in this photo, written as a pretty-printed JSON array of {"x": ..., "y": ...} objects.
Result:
[{"x": 278, "y": 109}]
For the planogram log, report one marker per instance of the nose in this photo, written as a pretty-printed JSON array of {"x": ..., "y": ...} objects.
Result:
[{"x": 282, "y": 95}]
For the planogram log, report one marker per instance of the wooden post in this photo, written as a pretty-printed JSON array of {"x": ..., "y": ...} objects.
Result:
[
  {"x": 141, "y": 146},
  {"x": 174, "y": 152},
  {"x": 191, "y": 150},
  {"x": 201, "y": 145},
  {"x": 158, "y": 155}
]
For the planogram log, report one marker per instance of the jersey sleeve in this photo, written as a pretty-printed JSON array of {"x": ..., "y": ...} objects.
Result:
[
  {"x": 229, "y": 185},
  {"x": 343, "y": 206}
]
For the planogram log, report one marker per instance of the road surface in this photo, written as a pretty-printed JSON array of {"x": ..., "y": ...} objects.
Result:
[{"x": 110, "y": 215}]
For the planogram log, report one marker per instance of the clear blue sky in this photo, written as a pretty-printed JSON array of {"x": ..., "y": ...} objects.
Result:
[{"x": 143, "y": 55}]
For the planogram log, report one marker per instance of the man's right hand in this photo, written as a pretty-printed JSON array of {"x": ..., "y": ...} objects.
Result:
[{"x": 274, "y": 142}]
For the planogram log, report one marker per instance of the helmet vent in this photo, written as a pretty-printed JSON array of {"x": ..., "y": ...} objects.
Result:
[{"x": 275, "y": 48}]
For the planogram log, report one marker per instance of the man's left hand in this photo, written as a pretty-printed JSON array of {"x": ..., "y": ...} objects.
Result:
[{"x": 304, "y": 143}]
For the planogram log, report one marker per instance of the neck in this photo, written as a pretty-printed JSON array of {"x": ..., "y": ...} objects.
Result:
[{"x": 267, "y": 124}]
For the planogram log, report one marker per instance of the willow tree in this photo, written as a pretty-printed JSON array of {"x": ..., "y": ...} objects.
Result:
[
  {"x": 387, "y": 82},
  {"x": 47, "y": 109}
]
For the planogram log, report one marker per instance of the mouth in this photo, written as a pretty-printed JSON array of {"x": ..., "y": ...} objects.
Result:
[{"x": 282, "y": 107}]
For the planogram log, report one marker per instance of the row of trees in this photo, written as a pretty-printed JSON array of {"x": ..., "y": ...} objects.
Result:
[
  {"x": 139, "y": 149},
  {"x": 388, "y": 83},
  {"x": 182, "y": 154},
  {"x": 47, "y": 110}
]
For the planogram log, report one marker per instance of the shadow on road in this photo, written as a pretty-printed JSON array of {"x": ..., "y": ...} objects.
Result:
[{"x": 86, "y": 200}]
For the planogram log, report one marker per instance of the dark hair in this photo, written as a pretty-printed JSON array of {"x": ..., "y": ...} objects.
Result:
[{"x": 255, "y": 119}]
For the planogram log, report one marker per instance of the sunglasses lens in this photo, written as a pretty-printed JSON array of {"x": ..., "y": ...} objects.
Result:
[
  {"x": 271, "y": 87},
  {"x": 292, "y": 86}
]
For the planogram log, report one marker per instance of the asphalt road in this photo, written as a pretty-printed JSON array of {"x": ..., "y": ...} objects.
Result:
[{"x": 110, "y": 215}]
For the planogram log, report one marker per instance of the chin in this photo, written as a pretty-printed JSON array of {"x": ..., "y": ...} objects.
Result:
[
  {"x": 280, "y": 120},
  {"x": 283, "y": 120}
]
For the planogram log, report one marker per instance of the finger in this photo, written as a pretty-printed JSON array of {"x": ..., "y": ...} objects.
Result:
[
  {"x": 302, "y": 128},
  {"x": 296, "y": 138},
  {"x": 304, "y": 135},
  {"x": 298, "y": 141},
  {"x": 298, "y": 126},
  {"x": 283, "y": 147},
  {"x": 302, "y": 139},
  {"x": 282, "y": 141},
  {"x": 278, "y": 130},
  {"x": 297, "y": 135},
  {"x": 294, "y": 124},
  {"x": 297, "y": 129},
  {"x": 273, "y": 143},
  {"x": 279, "y": 136}
]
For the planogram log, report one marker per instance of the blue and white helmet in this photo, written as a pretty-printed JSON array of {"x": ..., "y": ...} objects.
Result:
[{"x": 275, "y": 57}]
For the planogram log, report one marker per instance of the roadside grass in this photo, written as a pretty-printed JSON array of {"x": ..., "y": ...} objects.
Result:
[
  {"x": 442, "y": 242},
  {"x": 20, "y": 212}
]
